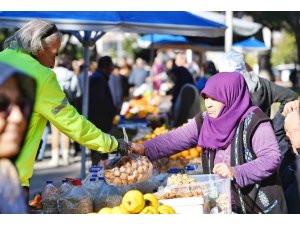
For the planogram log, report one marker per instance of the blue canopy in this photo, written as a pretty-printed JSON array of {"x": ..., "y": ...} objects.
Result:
[
  {"x": 251, "y": 44},
  {"x": 163, "y": 39},
  {"x": 166, "y": 22}
]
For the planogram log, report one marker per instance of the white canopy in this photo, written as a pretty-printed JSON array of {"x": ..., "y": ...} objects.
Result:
[{"x": 240, "y": 26}]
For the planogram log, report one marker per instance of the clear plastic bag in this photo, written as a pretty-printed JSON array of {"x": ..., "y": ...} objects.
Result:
[
  {"x": 50, "y": 196},
  {"x": 77, "y": 200},
  {"x": 107, "y": 196},
  {"x": 128, "y": 170}
]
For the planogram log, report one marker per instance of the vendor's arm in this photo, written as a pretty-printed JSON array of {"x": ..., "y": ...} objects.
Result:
[
  {"x": 268, "y": 158},
  {"x": 281, "y": 94},
  {"x": 175, "y": 141},
  {"x": 65, "y": 117}
]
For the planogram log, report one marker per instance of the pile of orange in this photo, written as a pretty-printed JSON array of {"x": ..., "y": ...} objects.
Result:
[
  {"x": 143, "y": 107},
  {"x": 188, "y": 154}
]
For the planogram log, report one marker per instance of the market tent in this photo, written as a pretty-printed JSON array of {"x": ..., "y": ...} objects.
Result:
[
  {"x": 175, "y": 41},
  {"x": 251, "y": 44},
  {"x": 166, "y": 22},
  {"x": 240, "y": 27},
  {"x": 164, "y": 39}
]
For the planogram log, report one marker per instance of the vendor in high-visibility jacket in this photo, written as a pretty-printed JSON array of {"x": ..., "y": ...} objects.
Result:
[{"x": 32, "y": 49}]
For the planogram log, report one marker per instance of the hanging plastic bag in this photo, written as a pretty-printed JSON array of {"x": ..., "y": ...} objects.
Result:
[{"x": 128, "y": 170}]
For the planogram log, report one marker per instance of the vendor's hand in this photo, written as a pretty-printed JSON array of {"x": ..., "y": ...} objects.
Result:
[
  {"x": 123, "y": 147},
  {"x": 296, "y": 150},
  {"x": 290, "y": 106},
  {"x": 137, "y": 148},
  {"x": 224, "y": 170}
]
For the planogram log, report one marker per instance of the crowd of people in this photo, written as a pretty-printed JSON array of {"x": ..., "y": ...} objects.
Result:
[{"x": 40, "y": 92}]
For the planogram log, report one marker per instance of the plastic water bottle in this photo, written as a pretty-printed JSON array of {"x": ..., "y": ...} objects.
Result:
[
  {"x": 50, "y": 196},
  {"x": 92, "y": 171},
  {"x": 100, "y": 182},
  {"x": 100, "y": 170},
  {"x": 65, "y": 186},
  {"x": 92, "y": 186}
]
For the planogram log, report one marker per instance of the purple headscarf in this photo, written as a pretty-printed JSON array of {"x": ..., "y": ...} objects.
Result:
[{"x": 230, "y": 89}]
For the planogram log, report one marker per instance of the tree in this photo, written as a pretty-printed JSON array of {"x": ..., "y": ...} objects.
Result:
[{"x": 288, "y": 21}]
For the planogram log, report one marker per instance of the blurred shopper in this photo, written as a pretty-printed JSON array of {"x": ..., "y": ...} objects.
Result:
[
  {"x": 32, "y": 49},
  {"x": 139, "y": 74},
  {"x": 263, "y": 92},
  {"x": 17, "y": 93},
  {"x": 116, "y": 88},
  {"x": 186, "y": 99},
  {"x": 69, "y": 83},
  {"x": 180, "y": 76},
  {"x": 192, "y": 67},
  {"x": 209, "y": 69},
  {"x": 125, "y": 70},
  {"x": 101, "y": 106}
]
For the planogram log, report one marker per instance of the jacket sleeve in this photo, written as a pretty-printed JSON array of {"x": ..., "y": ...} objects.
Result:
[
  {"x": 56, "y": 108},
  {"x": 281, "y": 94}
]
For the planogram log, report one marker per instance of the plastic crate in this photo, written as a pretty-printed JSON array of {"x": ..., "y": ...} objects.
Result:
[
  {"x": 185, "y": 205},
  {"x": 214, "y": 190}
]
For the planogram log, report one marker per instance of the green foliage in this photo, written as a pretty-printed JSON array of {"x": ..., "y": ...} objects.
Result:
[
  {"x": 128, "y": 46},
  {"x": 251, "y": 60},
  {"x": 286, "y": 51}
]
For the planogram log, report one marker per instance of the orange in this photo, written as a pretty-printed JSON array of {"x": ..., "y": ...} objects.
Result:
[
  {"x": 185, "y": 153},
  {"x": 194, "y": 153}
]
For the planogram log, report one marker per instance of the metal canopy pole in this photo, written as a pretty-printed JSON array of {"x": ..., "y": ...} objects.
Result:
[
  {"x": 228, "y": 31},
  {"x": 151, "y": 63},
  {"x": 87, "y": 41}
]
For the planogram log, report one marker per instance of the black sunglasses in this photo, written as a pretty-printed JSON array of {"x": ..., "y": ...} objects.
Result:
[
  {"x": 6, "y": 105},
  {"x": 25, "y": 101},
  {"x": 51, "y": 31}
]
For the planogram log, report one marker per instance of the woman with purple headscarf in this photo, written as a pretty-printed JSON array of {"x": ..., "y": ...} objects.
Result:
[{"x": 238, "y": 142}]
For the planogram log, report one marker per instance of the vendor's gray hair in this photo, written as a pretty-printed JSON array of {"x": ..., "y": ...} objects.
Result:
[{"x": 31, "y": 37}]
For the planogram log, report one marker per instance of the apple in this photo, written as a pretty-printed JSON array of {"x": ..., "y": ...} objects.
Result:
[
  {"x": 151, "y": 200},
  {"x": 119, "y": 210},
  {"x": 165, "y": 209},
  {"x": 149, "y": 210},
  {"x": 105, "y": 210},
  {"x": 133, "y": 201}
]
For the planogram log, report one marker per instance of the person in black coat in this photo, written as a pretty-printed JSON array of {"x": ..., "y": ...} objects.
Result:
[
  {"x": 287, "y": 130},
  {"x": 263, "y": 92},
  {"x": 101, "y": 105}
]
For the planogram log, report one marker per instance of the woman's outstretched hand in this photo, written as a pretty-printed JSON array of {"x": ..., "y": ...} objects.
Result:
[{"x": 137, "y": 148}]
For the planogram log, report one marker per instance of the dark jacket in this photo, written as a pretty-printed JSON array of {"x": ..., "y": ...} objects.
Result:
[
  {"x": 268, "y": 93},
  {"x": 101, "y": 106},
  {"x": 187, "y": 105},
  {"x": 288, "y": 170}
]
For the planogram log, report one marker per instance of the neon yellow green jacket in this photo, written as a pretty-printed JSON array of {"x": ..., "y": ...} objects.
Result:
[{"x": 51, "y": 104}]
